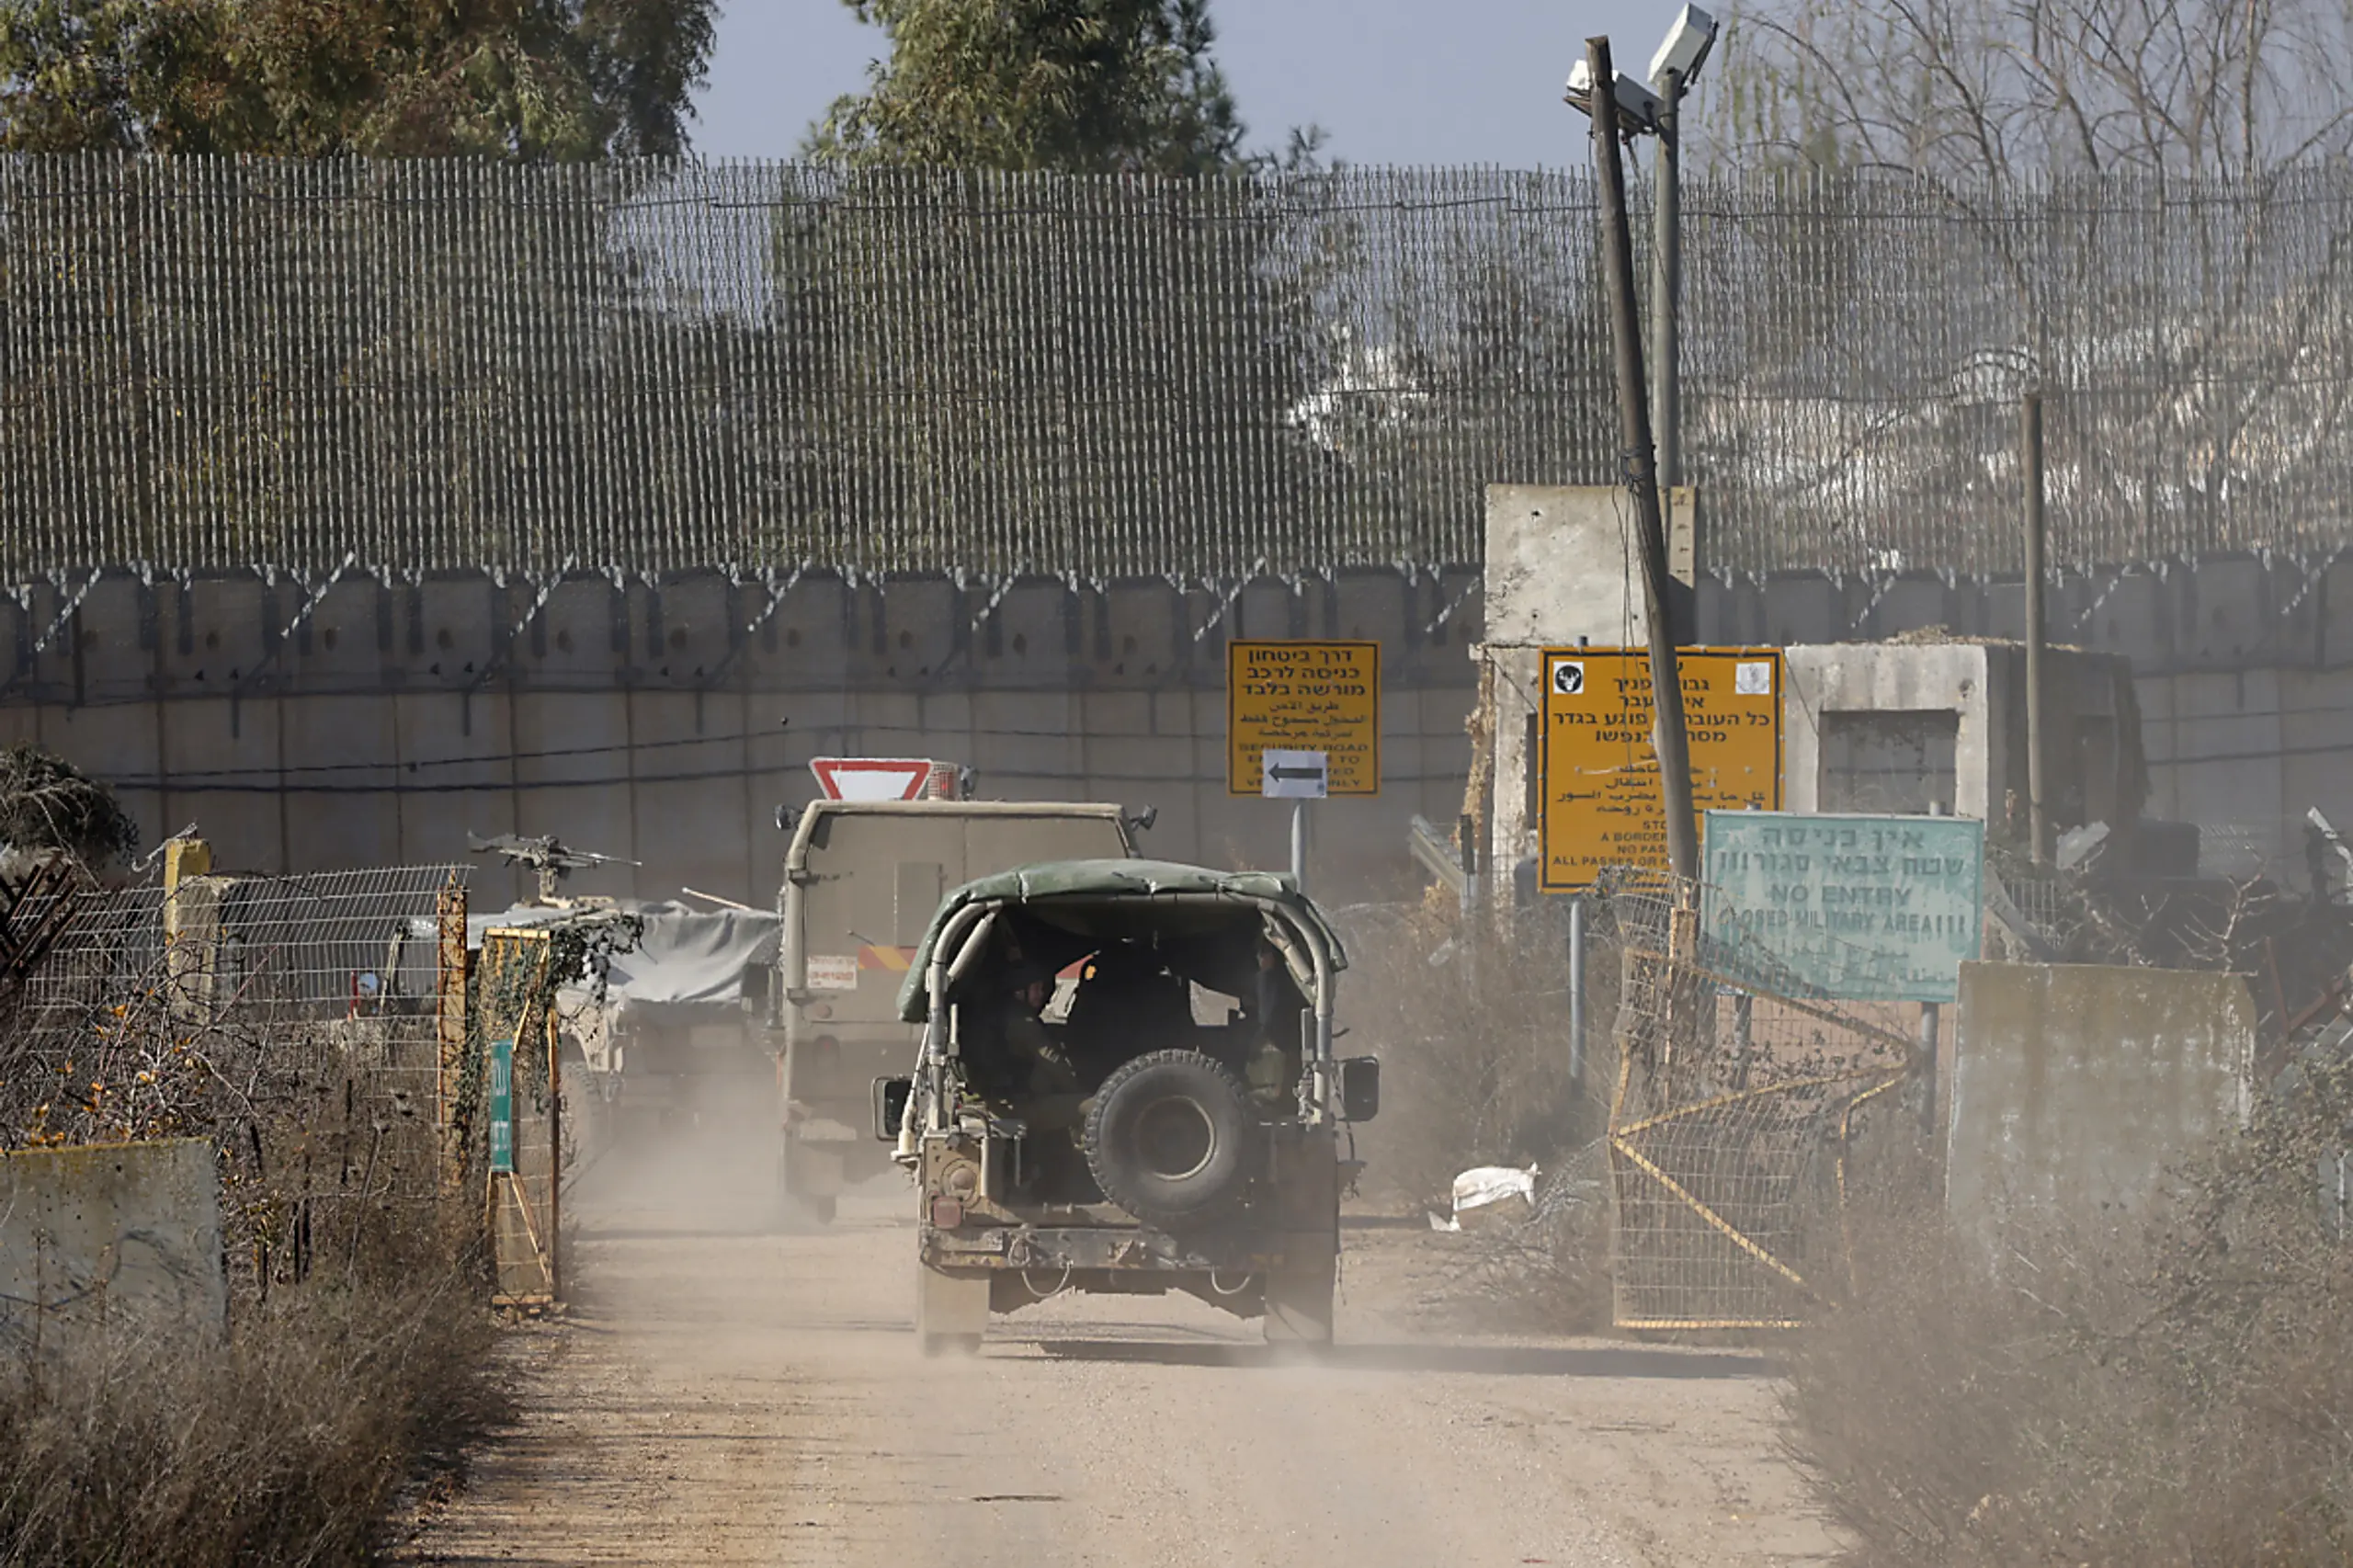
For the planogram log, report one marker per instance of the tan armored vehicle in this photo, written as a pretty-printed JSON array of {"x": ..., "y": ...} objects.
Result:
[
  {"x": 861, "y": 880},
  {"x": 1173, "y": 1120}
]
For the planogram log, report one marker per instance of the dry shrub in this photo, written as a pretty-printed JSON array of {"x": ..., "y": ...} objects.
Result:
[
  {"x": 1472, "y": 1030},
  {"x": 1549, "y": 1275},
  {"x": 290, "y": 1443},
  {"x": 360, "y": 1348},
  {"x": 2177, "y": 1394}
]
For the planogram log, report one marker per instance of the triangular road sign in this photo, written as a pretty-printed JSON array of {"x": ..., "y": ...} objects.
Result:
[{"x": 871, "y": 778}]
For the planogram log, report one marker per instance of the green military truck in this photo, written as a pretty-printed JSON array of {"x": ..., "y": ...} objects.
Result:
[
  {"x": 1175, "y": 1122},
  {"x": 861, "y": 880}
]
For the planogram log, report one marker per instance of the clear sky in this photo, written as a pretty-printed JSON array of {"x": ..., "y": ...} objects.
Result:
[{"x": 1393, "y": 81}]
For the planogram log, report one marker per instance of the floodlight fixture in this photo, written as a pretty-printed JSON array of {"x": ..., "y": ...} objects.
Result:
[
  {"x": 1638, "y": 107},
  {"x": 1686, "y": 48}
]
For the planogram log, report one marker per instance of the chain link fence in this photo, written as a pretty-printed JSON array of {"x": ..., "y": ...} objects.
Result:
[
  {"x": 764, "y": 367},
  {"x": 1749, "y": 1113},
  {"x": 296, "y": 1021}
]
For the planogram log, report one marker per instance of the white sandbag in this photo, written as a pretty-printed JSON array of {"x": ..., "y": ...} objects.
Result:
[{"x": 1494, "y": 1195}]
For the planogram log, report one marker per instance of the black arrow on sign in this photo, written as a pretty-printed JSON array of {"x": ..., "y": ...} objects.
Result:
[{"x": 1297, "y": 772}]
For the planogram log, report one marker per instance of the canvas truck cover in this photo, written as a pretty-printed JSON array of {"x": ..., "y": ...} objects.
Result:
[
  {"x": 693, "y": 957},
  {"x": 687, "y": 957},
  {"x": 1085, "y": 881}
]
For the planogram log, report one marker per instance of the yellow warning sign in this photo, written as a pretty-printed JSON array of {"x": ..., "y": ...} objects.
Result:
[
  {"x": 1300, "y": 696},
  {"x": 1601, "y": 802}
]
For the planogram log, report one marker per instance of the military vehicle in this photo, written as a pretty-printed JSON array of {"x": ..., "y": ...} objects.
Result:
[
  {"x": 861, "y": 879},
  {"x": 1176, "y": 1121}
]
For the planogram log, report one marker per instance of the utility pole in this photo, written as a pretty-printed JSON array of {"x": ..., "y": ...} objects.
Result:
[
  {"x": 1667, "y": 284},
  {"x": 1668, "y": 733},
  {"x": 2030, "y": 464}
]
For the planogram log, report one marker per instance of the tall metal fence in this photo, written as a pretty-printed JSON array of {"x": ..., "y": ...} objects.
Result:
[{"x": 406, "y": 367}]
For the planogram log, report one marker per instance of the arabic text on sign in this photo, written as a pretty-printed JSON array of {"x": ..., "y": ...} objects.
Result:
[
  {"x": 1602, "y": 805},
  {"x": 1304, "y": 695}
]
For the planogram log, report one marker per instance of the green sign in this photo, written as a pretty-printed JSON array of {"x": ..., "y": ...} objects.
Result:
[
  {"x": 502, "y": 1105},
  {"x": 1859, "y": 908}
]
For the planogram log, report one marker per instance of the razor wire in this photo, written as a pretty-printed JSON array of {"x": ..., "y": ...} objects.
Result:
[{"x": 210, "y": 365}]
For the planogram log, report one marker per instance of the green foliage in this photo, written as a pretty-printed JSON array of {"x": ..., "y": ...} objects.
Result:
[
  {"x": 48, "y": 803},
  {"x": 1098, "y": 86},
  {"x": 553, "y": 79}
]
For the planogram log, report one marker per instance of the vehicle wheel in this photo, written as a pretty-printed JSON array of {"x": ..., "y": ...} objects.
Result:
[
  {"x": 795, "y": 1208},
  {"x": 938, "y": 1344},
  {"x": 1169, "y": 1138},
  {"x": 1299, "y": 1303},
  {"x": 951, "y": 1311},
  {"x": 585, "y": 1115}
]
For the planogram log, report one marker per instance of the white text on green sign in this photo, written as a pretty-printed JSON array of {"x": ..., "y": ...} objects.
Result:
[{"x": 1860, "y": 908}]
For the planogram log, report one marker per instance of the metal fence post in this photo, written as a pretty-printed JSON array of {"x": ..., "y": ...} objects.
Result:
[{"x": 1576, "y": 990}]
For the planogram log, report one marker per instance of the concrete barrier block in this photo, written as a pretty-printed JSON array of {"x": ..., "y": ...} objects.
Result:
[
  {"x": 225, "y": 636},
  {"x": 1803, "y": 610},
  {"x": 2076, "y": 1087},
  {"x": 577, "y": 736},
  {"x": 571, "y": 640},
  {"x": 333, "y": 646},
  {"x": 1374, "y": 605},
  {"x": 2335, "y": 592},
  {"x": 2135, "y": 619},
  {"x": 1118, "y": 714},
  {"x": 1003, "y": 757},
  {"x": 1125, "y": 763},
  {"x": 1025, "y": 714},
  {"x": 944, "y": 720},
  {"x": 688, "y": 630},
  {"x": 110, "y": 1238},
  {"x": 115, "y": 743},
  {"x": 1908, "y": 605},
  {"x": 1146, "y": 620},
  {"x": 110, "y": 639},
  {"x": 2226, "y": 612}
]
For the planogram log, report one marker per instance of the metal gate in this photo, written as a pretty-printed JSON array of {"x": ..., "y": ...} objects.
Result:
[
  {"x": 521, "y": 1111},
  {"x": 1736, "y": 1128}
]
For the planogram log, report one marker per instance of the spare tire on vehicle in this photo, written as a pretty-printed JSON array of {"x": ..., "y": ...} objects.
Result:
[{"x": 1170, "y": 1139}]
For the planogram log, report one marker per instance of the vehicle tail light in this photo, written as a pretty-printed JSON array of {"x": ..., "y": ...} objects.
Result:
[{"x": 946, "y": 1213}]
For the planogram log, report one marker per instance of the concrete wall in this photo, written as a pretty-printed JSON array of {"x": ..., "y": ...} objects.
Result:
[
  {"x": 644, "y": 720},
  {"x": 650, "y": 721},
  {"x": 111, "y": 1235},
  {"x": 2243, "y": 669},
  {"x": 2074, "y": 1088}
]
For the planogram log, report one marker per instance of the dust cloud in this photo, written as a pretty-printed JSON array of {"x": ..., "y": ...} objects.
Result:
[{"x": 723, "y": 1392}]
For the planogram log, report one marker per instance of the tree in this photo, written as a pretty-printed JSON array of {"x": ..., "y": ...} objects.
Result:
[
  {"x": 2001, "y": 88},
  {"x": 48, "y": 805},
  {"x": 1083, "y": 86},
  {"x": 547, "y": 79}
]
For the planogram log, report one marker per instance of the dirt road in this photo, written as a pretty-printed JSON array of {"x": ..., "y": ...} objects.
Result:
[{"x": 722, "y": 1397}]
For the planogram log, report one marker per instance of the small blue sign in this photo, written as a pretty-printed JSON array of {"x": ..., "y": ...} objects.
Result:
[
  {"x": 1855, "y": 908},
  {"x": 501, "y": 1106}
]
